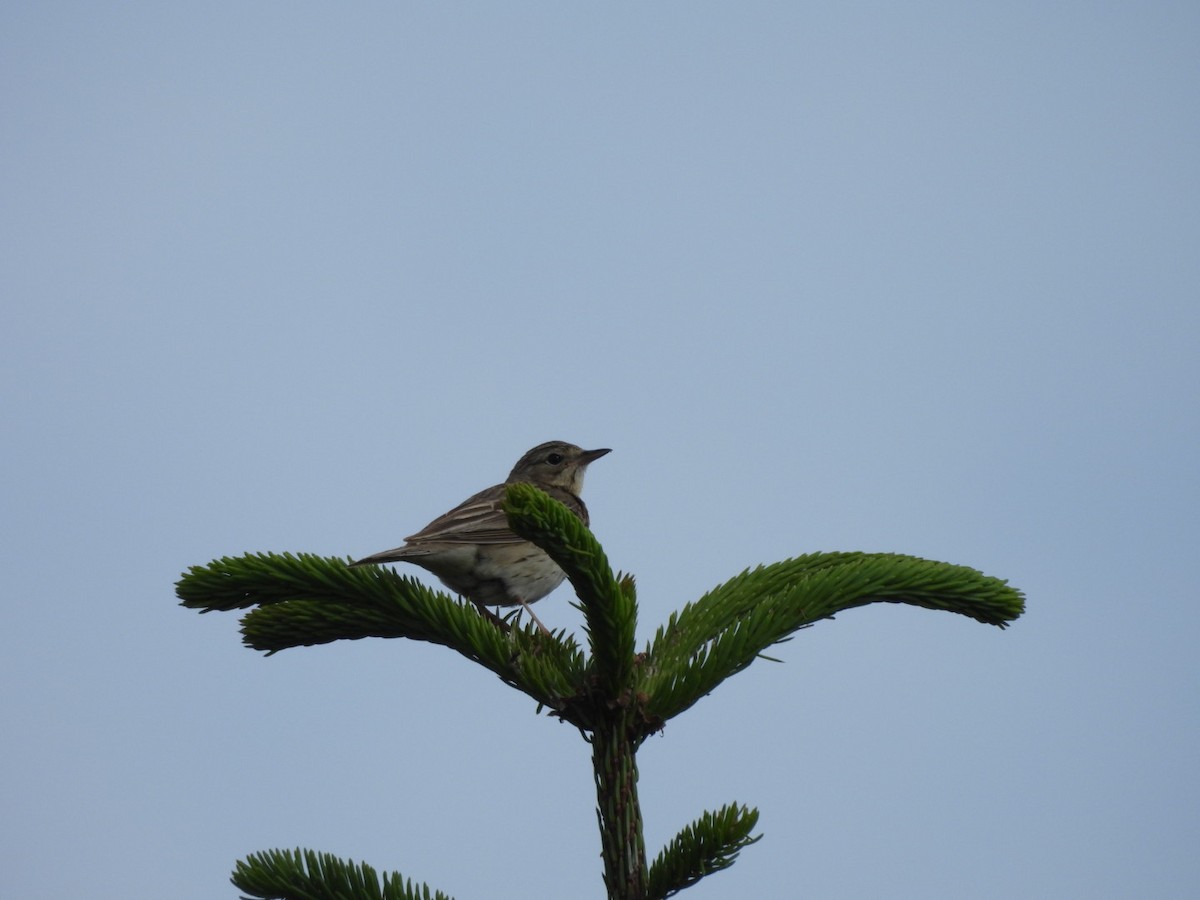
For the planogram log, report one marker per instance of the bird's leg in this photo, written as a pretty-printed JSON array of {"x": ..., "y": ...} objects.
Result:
[{"x": 525, "y": 606}]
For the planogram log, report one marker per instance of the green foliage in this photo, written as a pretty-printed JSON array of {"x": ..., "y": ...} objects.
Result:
[
  {"x": 305, "y": 875},
  {"x": 709, "y": 844},
  {"x": 609, "y": 605},
  {"x": 305, "y": 599},
  {"x": 617, "y": 697},
  {"x": 729, "y": 627}
]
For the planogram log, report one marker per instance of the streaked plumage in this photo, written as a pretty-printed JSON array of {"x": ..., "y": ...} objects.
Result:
[{"x": 473, "y": 552}]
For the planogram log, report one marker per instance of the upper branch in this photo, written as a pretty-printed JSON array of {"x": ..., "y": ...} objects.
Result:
[{"x": 609, "y": 604}]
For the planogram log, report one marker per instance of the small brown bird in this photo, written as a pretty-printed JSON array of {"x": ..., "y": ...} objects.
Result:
[{"x": 474, "y": 553}]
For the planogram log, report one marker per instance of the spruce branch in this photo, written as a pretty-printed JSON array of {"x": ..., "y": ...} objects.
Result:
[
  {"x": 307, "y": 875},
  {"x": 305, "y": 599},
  {"x": 609, "y": 605},
  {"x": 728, "y": 628},
  {"x": 709, "y": 844}
]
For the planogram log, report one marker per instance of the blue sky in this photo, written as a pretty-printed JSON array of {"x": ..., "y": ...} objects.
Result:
[{"x": 892, "y": 277}]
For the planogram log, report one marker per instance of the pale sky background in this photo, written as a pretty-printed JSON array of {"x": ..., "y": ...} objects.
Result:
[{"x": 916, "y": 277}]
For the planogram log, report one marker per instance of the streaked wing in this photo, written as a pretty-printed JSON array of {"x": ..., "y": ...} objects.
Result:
[{"x": 477, "y": 520}]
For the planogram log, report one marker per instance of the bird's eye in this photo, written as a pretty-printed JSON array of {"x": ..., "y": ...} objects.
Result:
[{"x": 554, "y": 459}]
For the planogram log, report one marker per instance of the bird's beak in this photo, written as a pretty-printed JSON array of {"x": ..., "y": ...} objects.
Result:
[{"x": 590, "y": 456}]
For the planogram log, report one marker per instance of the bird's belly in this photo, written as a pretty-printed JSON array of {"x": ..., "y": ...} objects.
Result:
[
  {"x": 493, "y": 574},
  {"x": 511, "y": 573}
]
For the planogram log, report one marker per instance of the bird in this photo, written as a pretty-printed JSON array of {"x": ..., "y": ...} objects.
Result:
[{"x": 472, "y": 550}]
